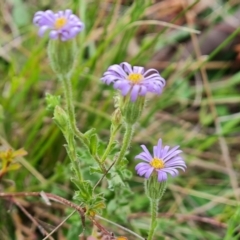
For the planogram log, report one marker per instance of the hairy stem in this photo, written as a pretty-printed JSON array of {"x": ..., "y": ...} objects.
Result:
[
  {"x": 126, "y": 142},
  {"x": 154, "y": 211},
  {"x": 70, "y": 108},
  {"x": 111, "y": 140},
  {"x": 67, "y": 88}
]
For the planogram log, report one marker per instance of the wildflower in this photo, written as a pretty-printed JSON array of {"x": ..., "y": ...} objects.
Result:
[
  {"x": 7, "y": 160},
  {"x": 63, "y": 25},
  {"x": 134, "y": 80},
  {"x": 163, "y": 161}
]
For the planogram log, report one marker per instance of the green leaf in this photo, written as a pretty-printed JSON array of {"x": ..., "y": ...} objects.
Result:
[
  {"x": 205, "y": 118},
  {"x": 114, "y": 148},
  {"x": 20, "y": 13},
  {"x": 93, "y": 170},
  {"x": 13, "y": 167},
  {"x": 94, "y": 144},
  {"x": 127, "y": 174},
  {"x": 123, "y": 164},
  {"x": 52, "y": 101},
  {"x": 115, "y": 181},
  {"x": 89, "y": 133},
  {"x": 233, "y": 231},
  {"x": 85, "y": 193},
  {"x": 61, "y": 119},
  {"x": 98, "y": 204}
]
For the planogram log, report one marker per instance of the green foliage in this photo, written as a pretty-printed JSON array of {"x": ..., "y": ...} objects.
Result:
[
  {"x": 85, "y": 190},
  {"x": 233, "y": 232},
  {"x": 21, "y": 14},
  {"x": 6, "y": 226},
  {"x": 182, "y": 115},
  {"x": 62, "y": 120},
  {"x": 94, "y": 144},
  {"x": 85, "y": 195},
  {"x": 52, "y": 101}
]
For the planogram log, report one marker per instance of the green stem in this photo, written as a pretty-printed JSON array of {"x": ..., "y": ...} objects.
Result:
[
  {"x": 126, "y": 142},
  {"x": 101, "y": 164},
  {"x": 111, "y": 140},
  {"x": 67, "y": 88},
  {"x": 154, "y": 211},
  {"x": 72, "y": 152},
  {"x": 70, "y": 107}
]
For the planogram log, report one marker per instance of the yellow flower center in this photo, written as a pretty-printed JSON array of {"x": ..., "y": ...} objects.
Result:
[
  {"x": 157, "y": 163},
  {"x": 135, "y": 77},
  {"x": 60, "y": 22}
]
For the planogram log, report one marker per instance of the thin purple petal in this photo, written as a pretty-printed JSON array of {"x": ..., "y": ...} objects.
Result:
[
  {"x": 143, "y": 157},
  {"x": 149, "y": 172},
  {"x": 140, "y": 165},
  {"x": 126, "y": 67},
  {"x": 155, "y": 152},
  {"x": 42, "y": 30},
  {"x": 164, "y": 151},
  {"x": 135, "y": 92},
  {"x": 125, "y": 89},
  {"x": 53, "y": 34},
  {"x": 159, "y": 148},
  {"x": 146, "y": 151},
  {"x": 162, "y": 176}
]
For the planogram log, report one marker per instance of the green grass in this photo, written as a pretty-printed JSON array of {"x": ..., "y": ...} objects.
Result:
[{"x": 206, "y": 189}]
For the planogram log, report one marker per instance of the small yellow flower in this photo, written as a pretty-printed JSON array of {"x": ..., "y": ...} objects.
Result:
[
  {"x": 7, "y": 158},
  {"x": 92, "y": 213}
]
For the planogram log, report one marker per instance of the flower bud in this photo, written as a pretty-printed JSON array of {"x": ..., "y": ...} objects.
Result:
[
  {"x": 52, "y": 101},
  {"x": 62, "y": 55},
  {"x": 117, "y": 118},
  {"x": 154, "y": 189},
  {"x": 61, "y": 119},
  {"x": 131, "y": 111}
]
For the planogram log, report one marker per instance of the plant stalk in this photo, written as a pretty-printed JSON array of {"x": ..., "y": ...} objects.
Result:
[
  {"x": 126, "y": 142},
  {"x": 111, "y": 140},
  {"x": 67, "y": 88},
  {"x": 154, "y": 211}
]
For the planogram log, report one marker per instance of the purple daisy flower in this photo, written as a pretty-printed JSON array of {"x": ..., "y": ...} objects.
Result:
[
  {"x": 63, "y": 25},
  {"x": 163, "y": 161},
  {"x": 134, "y": 79}
]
